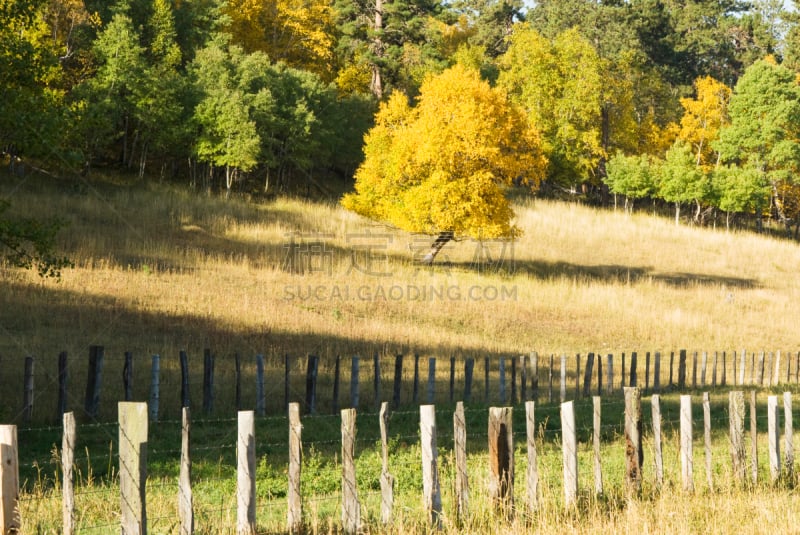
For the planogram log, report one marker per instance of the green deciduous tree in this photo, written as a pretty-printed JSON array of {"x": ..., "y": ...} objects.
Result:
[
  {"x": 681, "y": 180},
  {"x": 442, "y": 166},
  {"x": 739, "y": 190},
  {"x": 631, "y": 176}
]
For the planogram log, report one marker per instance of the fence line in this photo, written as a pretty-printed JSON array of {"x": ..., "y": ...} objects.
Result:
[{"x": 133, "y": 446}]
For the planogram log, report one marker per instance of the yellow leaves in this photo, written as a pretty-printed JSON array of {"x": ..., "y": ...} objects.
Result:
[
  {"x": 703, "y": 117},
  {"x": 445, "y": 163}
]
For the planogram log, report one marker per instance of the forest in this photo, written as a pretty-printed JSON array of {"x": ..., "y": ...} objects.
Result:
[{"x": 693, "y": 104}]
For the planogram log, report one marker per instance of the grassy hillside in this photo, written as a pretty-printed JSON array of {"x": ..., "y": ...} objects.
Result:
[{"x": 159, "y": 269}]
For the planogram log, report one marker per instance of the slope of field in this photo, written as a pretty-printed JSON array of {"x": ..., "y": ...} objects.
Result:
[{"x": 159, "y": 269}]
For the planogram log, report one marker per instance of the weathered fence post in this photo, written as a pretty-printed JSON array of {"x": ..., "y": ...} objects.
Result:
[
  {"x": 415, "y": 392},
  {"x": 760, "y": 370},
  {"x": 208, "y": 381},
  {"x": 599, "y": 375},
  {"x": 535, "y": 375},
  {"x": 246, "y": 474},
  {"x": 185, "y": 401},
  {"x": 63, "y": 379},
  {"x": 578, "y": 376},
  {"x": 398, "y": 381},
  {"x": 657, "y": 373},
  {"x": 431, "y": 493},
  {"x": 647, "y": 371},
  {"x": 261, "y": 399},
  {"x": 563, "y": 372},
  {"x": 774, "y": 437},
  {"x": 469, "y": 368},
  {"x": 127, "y": 376},
  {"x": 587, "y": 376},
  {"x": 633, "y": 379},
  {"x": 501, "y": 458},
  {"x": 742, "y": 365},
  {"x": 513, "y": 381},
  {"x": 460, "y": 450},
  {"x": 622, "y": 371},
  {"x": 687, "y": 460},
  {"x": 596, "y": 428},
  {"x": 354, "y": 371},
  {"x": 753, "y": 438},
  {"x": 387, "y": 480},
  {"x": 185, "y": 501},
  {"x": 550, "y": 379},
  {"x": 155, "y": 387},
  {"x": 694, "y": 369},
  {"x": 707, "y": 439},
  {"x": 312, "y": 371},
  {"x": 93, "y": 381},
  {"x": 610, "y": 374},
  {"x": 671, "y": 367},
  {"x": 523, "y": 378},
  {"x": 703, "y": 366},
  {"x": 67, "y": 483},
  {"x": 736, "y": 414},
  {"x": 294, "y": 496},
  {"x": 634, "y": 454},
  {"x": 27, "y": 397},
  {"x": 788, "y": 433},
  {"x": 655, "y": 404},
  {"x": 681, "y": 369},
  {"x": 724, "y": 380},
  {"x": 502, "y": 379},
  {"x": 532, "y": 471},
  {"x": 351, "y": 509},
  {"x": 570, "y": 453},
  {"x": 10, "y": 520},
  {"x": 376, "y": 380},
  {"x": 133, "y": 466},
  {"x": 431, "y": 379}
]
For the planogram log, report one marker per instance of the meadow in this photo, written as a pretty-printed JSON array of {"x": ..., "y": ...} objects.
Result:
[{"x": 158, "y": 269}]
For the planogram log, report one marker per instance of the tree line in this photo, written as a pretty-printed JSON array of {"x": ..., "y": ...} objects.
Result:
[{"x": 693, "y": 102}]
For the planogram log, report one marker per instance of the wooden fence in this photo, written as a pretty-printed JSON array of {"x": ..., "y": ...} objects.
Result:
[
  {"x": 133, "y": 421},
  {"x": 505, "y": 380}
]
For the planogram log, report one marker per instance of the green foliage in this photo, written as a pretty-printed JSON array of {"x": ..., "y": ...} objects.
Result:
[
  {"x": 740, "y": 189},
  {"x": 631, "y": 176},
  {"x": 30, "y": 243},
  {"x": 680, "y": 179},
  {"x": 444, "y": 164}
]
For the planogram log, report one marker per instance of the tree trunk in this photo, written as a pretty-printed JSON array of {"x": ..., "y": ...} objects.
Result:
[
  {"x": 376, "y": 85},
  {"x": 677, "y": 213},
  {"x": 437, "y": 245}
]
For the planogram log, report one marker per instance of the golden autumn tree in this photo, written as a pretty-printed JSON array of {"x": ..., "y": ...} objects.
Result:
[
  {"x": 442, "y": 167},
  {"x": 703, "y": 117}
]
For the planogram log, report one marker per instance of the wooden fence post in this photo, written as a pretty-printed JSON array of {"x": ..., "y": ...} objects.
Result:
[
  {"x": 587, "y": 376},
  {"x": 133, "y": 466},
  {"x": 452, "y": 378},
  {"x": 788, "y": 433},
  {"x": 671, "y": 367},
  {"x": 610, "y": 374},
  {"x": 578, "y": 376},
  {"x": 634, "y": 454},
  {"x": 622, "y": 371},
  {"x": 387, "y": 479},
  {"x": 312, "y": 371},
  {"x": 707, "y": 439},
  {"x": 261, "y": 398},
  {"x": 376, "y": 380},
  {"x": 10, "y": 520},
  {"x": 398, "y": 381},
  {"x": 753, "y": 438},
  {"x": 563, "y": 372},
  {"x": 657, "y": 372},
  {"x": 469, "y": 367},
  {"x": 655, "y": 404},
  {"x": 682, "y": 369},
  {"x": 93, "y": 381},
  {"x": 532, "y": 472},
  {"x": 63, "y": 379},
  {"x": 502, "y": 379},
  {"x": 703, "y": 367},
  {"x": 774, "y": 437},
  {"x": 351, "y": 509},
  {"x": 633, "y": 379},
  {"x": 599, "y": 375},
  {"x": 185, "y": 500},
  {"x": 694, "y": 369},
  {"x": 155, "y": 387},
  {"x": 208, "y": 381},
  {"x": 569, "y": 445},
  {"x": 724, "y": 380},
  {"x": 246, "y": 474},
  {"x": 736, "y": 414},
  {"x": 513, "y": 380},
  {"x": 742, "y": 366},
  {"x": 460, "y": 450},
  {"x": 523, "y": 378},
  {"x": 431, "y": 494},
  {"x": 294, "y": 496},
  {"x": 596, "y": 428},
  {"x": 68, "y": 480},
  {"x": 760, "y": 370},
  {"x": 501, "y": 458},
  {"x": 687, "y": 459},
  {"x": 550, "y": 379},
  {"x": 27, "y": 398},
  {"x": 127, "y": 377},
  {"x": 185, "y": 398},
  {"x": 647, "y": 371},
  {"x": 354, "y": 371},
  {"x": 415, "y": 393},
  {"x": 431, "y": 379},
  {"x": 535, "y": 375}
]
